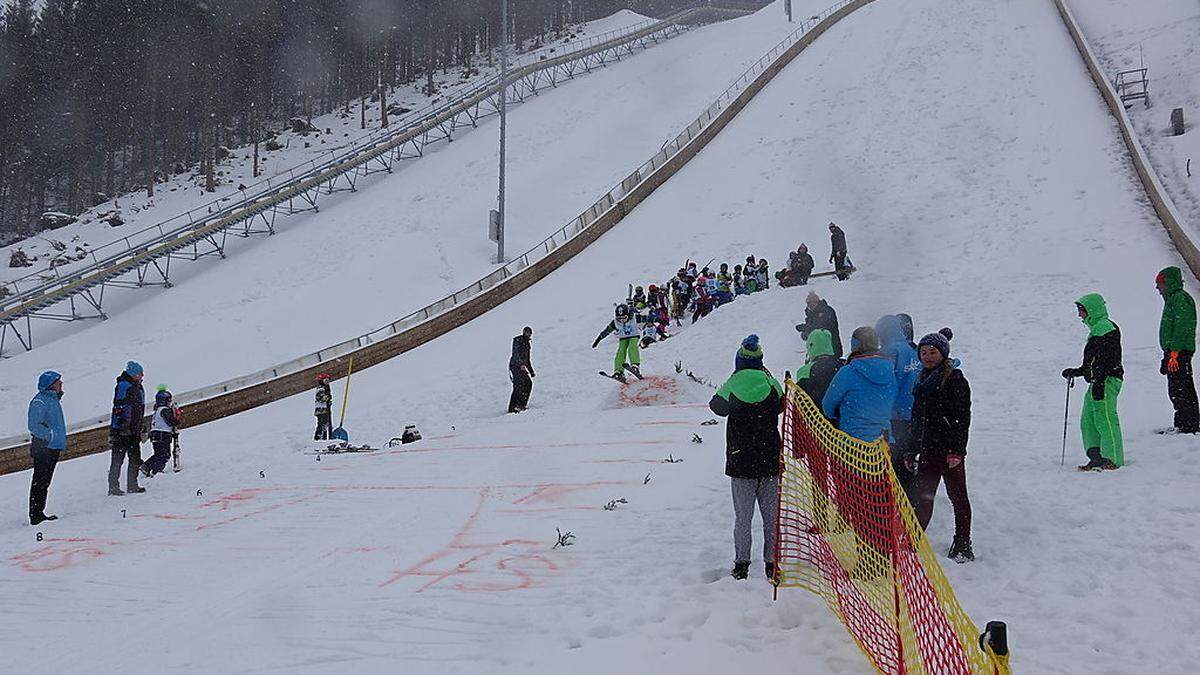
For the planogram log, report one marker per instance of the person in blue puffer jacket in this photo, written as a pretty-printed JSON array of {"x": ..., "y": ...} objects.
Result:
[
  {"x": 898, "y": 348},
  {"x": 862, "y": 395},
  {"x": 49, "y": 438}
]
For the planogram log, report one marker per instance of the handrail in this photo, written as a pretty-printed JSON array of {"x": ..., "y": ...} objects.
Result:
[
  {"x": 284, "y": 379},
  {"x": 279, "y": 187}
]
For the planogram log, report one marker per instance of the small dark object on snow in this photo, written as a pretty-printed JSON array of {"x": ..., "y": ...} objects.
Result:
[
  {"x": 709, "y": 423},
  {"x": 52, "y": 220},
  {"x": 410, "y": 435},
  {"x": 679, "y": 366},
  {"x": 740, "y": 570},
  {"x": 565, "y": 539},
  {"x": 612, "y": 505},
  {"x": 301, "y": 126},
  {"x": 696, "y": 438},
  {"x": 397, "y": 109},
  {"x": 672, "y": 460},
  {"x": 19, "y": 259},
  {"x": 646, "y": 480},
  {"x": 272, "y": 145},
  {"x": 1177, "y": 125},
  {"x": 114, "y": 219}
]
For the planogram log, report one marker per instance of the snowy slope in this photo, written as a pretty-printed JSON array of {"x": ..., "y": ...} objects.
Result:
[
  {"x": 1162, "y": 36},
  {"x": 401, "y": 241},
  {"x": 339, "y": 131},
  {"x": 962, "y": 207}
]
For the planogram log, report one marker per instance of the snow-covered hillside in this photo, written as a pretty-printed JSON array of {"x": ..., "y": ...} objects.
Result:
[
  {"x": 334, "y": 133},
  {"x": 1161, "y": 36},
  {"x": 963, "y": 207},
  {"x": 401, "y": 241}
]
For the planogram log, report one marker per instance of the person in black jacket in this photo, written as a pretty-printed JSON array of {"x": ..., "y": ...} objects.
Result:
[
  {"x": 753, "y": 401},
  {"x": 125, "y": 429},
  {"x": 520, "y": 369},
  {"x": 1102, "y": 370},
  {"x": 837, "y": 256},
  {"x": 818, "y": 314},
  {"x": 941, "y": 421}
]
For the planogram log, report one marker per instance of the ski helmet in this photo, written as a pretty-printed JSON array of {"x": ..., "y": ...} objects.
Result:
[
  {"x": 701, "y": 280},
  {"x": 163, "y": 397},
  {"x": 653, "y": 288},
  {"x": 322, "y": 377},
  {"x": 622, "y": 311},
  {"x": 638, "y": 289}
]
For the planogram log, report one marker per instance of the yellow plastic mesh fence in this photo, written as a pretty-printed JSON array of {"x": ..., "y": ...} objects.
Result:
[{"x": 847, "y": 532}]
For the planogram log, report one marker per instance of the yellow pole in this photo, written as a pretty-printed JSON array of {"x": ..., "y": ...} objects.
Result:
[{"x": 346, "y": 396}]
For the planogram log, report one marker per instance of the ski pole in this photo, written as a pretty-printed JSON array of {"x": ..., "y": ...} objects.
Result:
[
  {"x": 346, "y": 395},
  {"x": 1066, "y": 414}
]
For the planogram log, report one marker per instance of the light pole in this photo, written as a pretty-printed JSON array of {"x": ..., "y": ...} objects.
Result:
[{"x": 503, "y": 127}]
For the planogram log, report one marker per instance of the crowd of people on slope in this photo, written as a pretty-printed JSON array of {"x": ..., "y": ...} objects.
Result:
[
  {"x": 128, "y": 428},
  {"x": 916, "y": 397}
]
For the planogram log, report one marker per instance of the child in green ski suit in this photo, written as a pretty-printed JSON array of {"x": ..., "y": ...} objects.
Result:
[
  {"x": 627, "y": 326},
  {"x": 1102, "y": 370}
]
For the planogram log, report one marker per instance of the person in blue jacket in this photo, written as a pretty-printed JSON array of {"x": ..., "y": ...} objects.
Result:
[
  {"x": 896, "y": 347},
  {"x": 125, "y": 430},
  {"x": 49, "y": 432},
  {"x": 862, "y": 395}
]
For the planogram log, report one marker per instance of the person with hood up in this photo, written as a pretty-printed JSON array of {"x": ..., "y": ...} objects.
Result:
[
  {"x": 862, "y": 395},
  {"x": 906, "y": 367},
  {"x": 752, "y": 400},
  {"x": 48, "y": 431},
  {"x": 125, "y": 429},
  {"x": 520, "y": 371},
  {"x": 1101, "y": 369},
  {"x": 941, "y": 421},
  {"x": 1177, "y": 337},
  {"x": 801, "y": 267},
  {"x": 820, "y": 365},
  {"x": 838, "y": 252},
  {"x": 906, "y": 323},
  {"x": 818, "y": 314}
]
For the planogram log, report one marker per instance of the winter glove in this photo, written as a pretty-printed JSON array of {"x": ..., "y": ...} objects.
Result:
[
  {"x": 532, "y": 374},
  {"x": 1068, "y": 373},
  {"x": 953, "y": 461},
  {"x": 1098, "y": 390},
  {"x": 597, "y": 342},
  {"x": 1173, "y": 363},
  {"x": 1162, "y": 367},
  {"x": 910, "y": 462}
]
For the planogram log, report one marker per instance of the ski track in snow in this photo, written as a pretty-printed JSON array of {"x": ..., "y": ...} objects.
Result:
[{"x": 984, "y": 207}]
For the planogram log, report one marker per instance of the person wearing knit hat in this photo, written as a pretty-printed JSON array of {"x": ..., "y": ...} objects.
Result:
[
  {"x": 1177, "y": 337},
  {"x": 862, "y": 394},
  {"x": 941, "y": 420},
  {"x": 752, "y": 400},
  {"x": 125, "y": 429},
  {"x": 818, "y": 314}
]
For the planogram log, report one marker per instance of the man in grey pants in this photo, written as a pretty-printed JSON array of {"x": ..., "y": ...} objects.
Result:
[{"x": 752, "y": 400}]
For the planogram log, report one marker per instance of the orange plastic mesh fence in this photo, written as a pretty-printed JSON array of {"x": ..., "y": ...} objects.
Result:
[{"x": 847, "y": 532}]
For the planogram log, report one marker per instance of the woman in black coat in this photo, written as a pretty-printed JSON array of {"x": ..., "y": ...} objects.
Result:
[{"x": 940, "y": 424}]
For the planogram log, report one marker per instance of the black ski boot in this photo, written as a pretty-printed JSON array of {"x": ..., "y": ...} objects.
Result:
[
  {"x": 1095, "y": 461},
  {"x": 740, "y": 570},
  {"x": 769, "y": 568},
  {"x": 115, "y": 492},
  {"x": 135, "y": 490},
  {"x": 960, "y": 551},
  {"x": 633, "y": 368}
]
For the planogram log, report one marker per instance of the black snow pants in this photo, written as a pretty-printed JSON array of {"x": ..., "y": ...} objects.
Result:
[
  {"x": 1181, "y": 387},
  {"x": 44, "y": 460},
  {"x": 522, "y": 387},
  {"x": 324, "y": 426},
  {"x": 122, "y": 446}
]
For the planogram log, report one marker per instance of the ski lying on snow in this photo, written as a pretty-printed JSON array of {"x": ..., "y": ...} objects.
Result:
[{"x": 341, "y": 449}]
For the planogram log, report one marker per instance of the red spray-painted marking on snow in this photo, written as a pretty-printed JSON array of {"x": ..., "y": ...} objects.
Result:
[
  {"x": 650, "y": 392},
  {"x": 552, "y": 493},
  {"x": 517, "y": 564},
  {"x": 63, "y": 553}
]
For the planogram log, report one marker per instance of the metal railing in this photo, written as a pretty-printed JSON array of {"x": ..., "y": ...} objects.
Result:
[
  {"x": 555, "y": 240},
  {"x": 32, "y": 292}
]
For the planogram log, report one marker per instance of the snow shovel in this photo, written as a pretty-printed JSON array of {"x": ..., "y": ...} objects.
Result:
[{"x": 340, "y": 432}]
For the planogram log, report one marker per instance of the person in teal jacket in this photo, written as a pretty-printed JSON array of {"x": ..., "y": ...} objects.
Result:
[
  {"x": 49, "y": 438},
  {"x": 862, "y": 395},
  {"x": 1177, "y": 337},
  {"x": 1099, "y": 424}
]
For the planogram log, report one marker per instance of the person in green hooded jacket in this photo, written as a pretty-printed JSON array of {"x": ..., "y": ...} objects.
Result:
[
  {"x": 1102, "y": 370},
  {"x": 820, "y": 365},
  {"x": 752, "y": 400},
  {"x": 1177, "y": 337}
]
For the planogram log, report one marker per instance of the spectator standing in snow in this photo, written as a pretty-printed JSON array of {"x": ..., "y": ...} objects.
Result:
[
  {"x": 49, "y": 438},
  {"x": 1102, "y": 369},
  {"x": 862, "y": 395},
  {"x": 323, "y": 408},
  {"x": 941, "y": 421},
  {"x": 520, "y": 370},
  {"x": 820, "y": 365},
  {"x": 906, "y": 366},
  {"x": 763, "y": 275},
  {"x": 838, "y": 253},
  {"x": 164, "y": 429},
  {"x": 752, "y": 400},
  {"x": 1177, "y": 337},
  {"x": 818, "y": 314},
  {"x": 906, "y": 323},
  {"x": 125, "y": 430}
]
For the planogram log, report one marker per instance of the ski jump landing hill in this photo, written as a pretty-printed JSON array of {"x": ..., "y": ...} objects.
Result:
[
  {"x": 964, "y": 207},
  {"x": 437, "y": 318}
]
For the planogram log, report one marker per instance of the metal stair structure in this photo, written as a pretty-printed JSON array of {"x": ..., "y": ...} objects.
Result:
[{"x": 143, "y": 259}]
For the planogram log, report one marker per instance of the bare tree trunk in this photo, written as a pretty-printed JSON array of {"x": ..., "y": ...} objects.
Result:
[{"x": 383, "y": 112}]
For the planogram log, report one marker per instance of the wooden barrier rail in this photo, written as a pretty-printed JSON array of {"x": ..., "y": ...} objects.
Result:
[{"x": 95, "y": 439}]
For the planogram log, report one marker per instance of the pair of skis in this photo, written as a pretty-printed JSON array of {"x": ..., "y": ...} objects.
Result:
[{"x": 620, "y": 377}]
